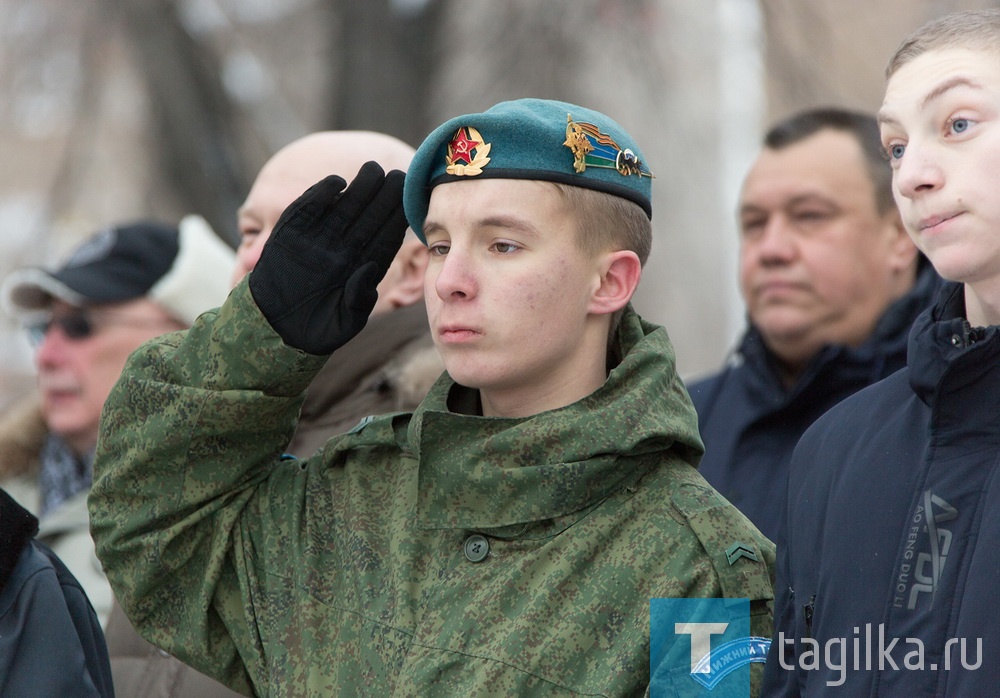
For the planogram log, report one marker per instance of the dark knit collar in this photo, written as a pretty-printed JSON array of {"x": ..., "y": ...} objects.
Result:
[{"x": 17, "y": 527}]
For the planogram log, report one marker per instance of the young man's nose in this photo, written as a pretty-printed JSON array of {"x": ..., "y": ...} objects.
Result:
[
  {"x": 918, "y": 172},
  {"x": 456, "y": 277}
]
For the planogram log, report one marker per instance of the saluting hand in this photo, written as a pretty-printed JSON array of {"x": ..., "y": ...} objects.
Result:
[{"x": 316, "y": 277}]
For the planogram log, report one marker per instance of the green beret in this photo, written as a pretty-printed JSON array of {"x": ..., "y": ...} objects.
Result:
[{"x": 529, "y": 139}]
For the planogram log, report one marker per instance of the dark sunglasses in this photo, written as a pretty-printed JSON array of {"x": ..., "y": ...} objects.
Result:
[
  {"x": 74, "y": 326},
  {"x": 80, "y": 324}
]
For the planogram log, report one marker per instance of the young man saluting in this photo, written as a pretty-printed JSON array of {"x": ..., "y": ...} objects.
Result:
[{"x": 505, "y": 537}]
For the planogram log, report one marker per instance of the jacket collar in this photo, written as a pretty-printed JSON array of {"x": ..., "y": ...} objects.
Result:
[
  {"x": 382, "y": 337},
  {"x": 17, "y": 527},
  {"x": 955, "y": 368},
  {"x": 484, "y": 473}
]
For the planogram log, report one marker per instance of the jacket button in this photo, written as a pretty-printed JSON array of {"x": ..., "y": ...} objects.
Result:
[{"x": 476, "y": 548}]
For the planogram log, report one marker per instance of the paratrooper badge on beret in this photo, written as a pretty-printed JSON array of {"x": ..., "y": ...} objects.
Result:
[{"x": 595, "y": 149}]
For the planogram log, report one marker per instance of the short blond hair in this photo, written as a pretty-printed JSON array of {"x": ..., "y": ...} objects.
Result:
[
  {"x": 977, "y": 30},
  {"x": 607, "y": 223}
]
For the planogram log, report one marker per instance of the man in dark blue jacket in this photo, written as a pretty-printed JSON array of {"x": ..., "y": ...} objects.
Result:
[
  {"x": 887, "y": 583},
  {"x": 831, "y": 284},
  {"x": 50, "y": 639}
]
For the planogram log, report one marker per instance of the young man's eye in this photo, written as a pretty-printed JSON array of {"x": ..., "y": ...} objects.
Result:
[
  {"x": 959, "y": 125},
  {"x": 439, "y": 249},
  {"x": 505, "y": 247},
  {"x": 896, "y": 151}
]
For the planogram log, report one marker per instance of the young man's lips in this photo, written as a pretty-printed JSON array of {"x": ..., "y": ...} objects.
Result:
[
  {"x": 934, "y": 221},
  {"x": 457, "y": 334}
]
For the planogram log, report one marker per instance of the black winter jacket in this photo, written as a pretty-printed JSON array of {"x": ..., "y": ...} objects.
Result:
[
  {"x": 893, "y": 529},
  {"x": 51, "y": 642},
  {"x": 750, "y": 422}
]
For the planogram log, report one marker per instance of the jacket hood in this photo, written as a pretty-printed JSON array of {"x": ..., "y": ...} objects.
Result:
[
  {"x": 504, "y": 471},
  {"x": 22, "y": 435}
]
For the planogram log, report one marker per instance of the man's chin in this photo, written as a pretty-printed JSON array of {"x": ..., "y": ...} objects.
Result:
[
  {"x": 783, "y": 327},
  {"x": 69, "y": 428},
  {"x": 791, "y": 341}
]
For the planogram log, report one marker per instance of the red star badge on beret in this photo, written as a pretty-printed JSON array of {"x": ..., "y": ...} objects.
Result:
[{"x": 462, "y": 147}]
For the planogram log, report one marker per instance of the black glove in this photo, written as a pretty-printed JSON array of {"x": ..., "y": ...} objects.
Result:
[{"x": 316, "y": 277}]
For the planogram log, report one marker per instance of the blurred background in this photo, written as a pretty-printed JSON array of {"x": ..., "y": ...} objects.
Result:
[{"x": 112, "y": 110}]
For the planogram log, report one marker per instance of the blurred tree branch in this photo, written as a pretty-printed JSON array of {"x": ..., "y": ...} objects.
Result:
[
  {"x": 386, "y": 58},
  {"x": 198, "y": 145}
]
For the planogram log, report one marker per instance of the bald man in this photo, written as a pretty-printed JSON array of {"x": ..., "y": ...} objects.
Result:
[
  {"x": 298, "y": 166},
  {"x": 392, "y": 363}
]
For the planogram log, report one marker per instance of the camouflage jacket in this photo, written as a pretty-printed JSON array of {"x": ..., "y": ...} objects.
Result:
[{"x": 432, "y": 553}]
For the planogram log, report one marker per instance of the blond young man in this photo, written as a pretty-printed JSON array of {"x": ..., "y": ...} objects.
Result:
[
  {"x": 887, "y": 582},
  {"x": 506, "y": 537}
]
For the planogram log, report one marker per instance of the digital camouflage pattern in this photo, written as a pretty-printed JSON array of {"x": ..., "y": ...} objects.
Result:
[{"x": 345, "y": 574}]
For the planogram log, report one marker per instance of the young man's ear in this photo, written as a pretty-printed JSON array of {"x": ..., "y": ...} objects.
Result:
[
  {"x": 405, "y": 279},
  {"x": 620, "y": 272}
]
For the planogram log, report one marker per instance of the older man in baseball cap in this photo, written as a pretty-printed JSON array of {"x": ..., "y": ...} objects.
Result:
[{"x": 122, "y": 286}]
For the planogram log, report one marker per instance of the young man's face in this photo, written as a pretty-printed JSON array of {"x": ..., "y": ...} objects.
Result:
[
  {"x": 77, "y": 367},
  {"x": 817, "y": 259},
  {"x": 508, "y": 291},
  {"x": 940, "y": 123}
]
